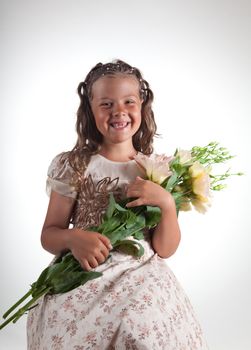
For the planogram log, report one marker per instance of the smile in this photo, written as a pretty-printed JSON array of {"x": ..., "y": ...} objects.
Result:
[{"x": 119, "y": 125}]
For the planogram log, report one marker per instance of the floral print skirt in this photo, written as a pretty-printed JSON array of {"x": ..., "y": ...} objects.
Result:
[{"x": 137, "y": 304}]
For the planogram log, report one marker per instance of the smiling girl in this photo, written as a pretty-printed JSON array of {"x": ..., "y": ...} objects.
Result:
[{"x": 137, "y": 303}]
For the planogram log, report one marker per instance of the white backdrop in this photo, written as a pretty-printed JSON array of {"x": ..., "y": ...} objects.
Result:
[{"x": 196, "y": 56}]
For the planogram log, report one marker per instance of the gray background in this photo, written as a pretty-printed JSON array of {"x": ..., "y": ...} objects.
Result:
[{"x": 196, "y": 56}]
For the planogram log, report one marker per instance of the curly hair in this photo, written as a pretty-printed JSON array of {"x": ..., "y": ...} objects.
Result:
[{"x": 89, "y": 138}]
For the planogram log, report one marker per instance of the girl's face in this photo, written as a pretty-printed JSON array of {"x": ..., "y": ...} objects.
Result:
[{"x": 116, "y": 106}]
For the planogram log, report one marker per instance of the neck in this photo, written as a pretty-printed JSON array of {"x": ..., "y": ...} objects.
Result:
[{"x": 118, "y": 152}]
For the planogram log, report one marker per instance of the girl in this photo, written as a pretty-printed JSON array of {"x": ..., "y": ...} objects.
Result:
[{"x": 137, "y": 303}]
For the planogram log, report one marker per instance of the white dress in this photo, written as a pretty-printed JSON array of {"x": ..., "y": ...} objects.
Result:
[{"x": 137, "y": 303}]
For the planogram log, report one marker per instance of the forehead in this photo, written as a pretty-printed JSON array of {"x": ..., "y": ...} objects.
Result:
[{"x": 113, "y": 85}]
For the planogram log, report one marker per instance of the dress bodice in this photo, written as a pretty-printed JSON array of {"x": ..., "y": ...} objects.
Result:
[{"x": 102, "y": 177}]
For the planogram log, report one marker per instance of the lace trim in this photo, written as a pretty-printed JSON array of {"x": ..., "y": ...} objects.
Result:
[{"x": 93, "y": 199}]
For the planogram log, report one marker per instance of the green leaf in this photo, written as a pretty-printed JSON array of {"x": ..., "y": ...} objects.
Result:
[
  {"x": 171, "y": 182},
  {"x": 140, "y": 220},
  {"x": 178, "y": 197},
  {"x": 131, "y": 219},
  {"x": 130, "y": 247},
  {"x": 90, "y": 275},
  {"x": 109, "y": 225},
  {"x": 119, "y": 208},
  {"x": 152, "y": 215},
  {"x": 58, "y": 270},
  {"x": 41, "y": 279},
  {"x": 139, "y": 235},
  {"x": 68, "y": 281},
  {"x": 111, "y": 207},
  {"x": 119, "y": 235}
]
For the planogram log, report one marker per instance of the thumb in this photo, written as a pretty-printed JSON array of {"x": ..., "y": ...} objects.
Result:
[
  {"x": 106, "y": 241},
  {"x": 138, "y": 178}
]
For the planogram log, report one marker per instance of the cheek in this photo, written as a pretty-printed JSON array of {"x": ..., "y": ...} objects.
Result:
[
  {"x": 98, "y": 122},
  {"x": 138, "y": 116},
  {"x": 98, "y": 115},
  {"x": 101, "y": 121}
]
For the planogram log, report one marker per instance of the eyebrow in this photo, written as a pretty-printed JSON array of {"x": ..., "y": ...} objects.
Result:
[{"x": 109, "y": 98}]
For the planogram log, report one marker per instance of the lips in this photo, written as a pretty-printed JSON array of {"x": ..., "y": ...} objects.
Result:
[{"x": 119, "y": 125}]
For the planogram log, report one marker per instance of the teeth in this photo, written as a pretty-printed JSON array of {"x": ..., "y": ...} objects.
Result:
[{"x": 119, "y": 125}]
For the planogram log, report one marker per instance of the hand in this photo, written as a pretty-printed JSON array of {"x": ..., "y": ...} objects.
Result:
[
  {"x": 149, "y": 193},
  {"x": 89, "y": 248}
]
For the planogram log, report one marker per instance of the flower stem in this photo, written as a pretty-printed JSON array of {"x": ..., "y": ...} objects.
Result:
[
  {"x": 30, "y": 303},
  {"x": 23, "y": 309},
  {"x": 17, "y": 303}
]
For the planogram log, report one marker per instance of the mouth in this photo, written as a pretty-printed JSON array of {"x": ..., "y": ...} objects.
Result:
[{"x": 119, "y": 125}]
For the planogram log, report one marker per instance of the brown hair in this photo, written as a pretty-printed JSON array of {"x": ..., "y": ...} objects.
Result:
[{"x": 89, "y": 137}]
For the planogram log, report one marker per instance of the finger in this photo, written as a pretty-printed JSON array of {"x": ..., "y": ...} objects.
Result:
[
  {"x": 100, "y": 258},
  {"x": 133, "y": 193},
  {"x": 93, "y": 262},
  {"x": 134, "y": 203},
  {"x": 85, "y": 265},
  {"x": 105, "y": 241},
  {"x": 103, "y": 250},
  {"x": 139, "y": 178},
  {"x": 137, "y": 186},
  {"x": 135, "y": 183}
]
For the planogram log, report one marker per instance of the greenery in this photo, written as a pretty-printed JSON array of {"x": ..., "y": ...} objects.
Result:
[{"x": 187, "y": 176}]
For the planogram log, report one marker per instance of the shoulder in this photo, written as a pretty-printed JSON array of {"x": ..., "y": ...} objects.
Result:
[
  {"x": 60, "y": 163},
  {"x": 61, "y": 176},
  {"x": 70, "y": 163}
]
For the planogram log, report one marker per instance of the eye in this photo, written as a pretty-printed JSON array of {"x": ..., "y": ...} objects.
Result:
[
  {"x": 130, "y": 101},
  {"x": 106, "y": 104}
]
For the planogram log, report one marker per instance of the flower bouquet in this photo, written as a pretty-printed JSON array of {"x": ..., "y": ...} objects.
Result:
[{"x": 187, "y": 175}]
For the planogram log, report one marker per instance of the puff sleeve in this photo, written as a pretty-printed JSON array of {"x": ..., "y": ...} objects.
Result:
[{"x": 59, "y": 176}]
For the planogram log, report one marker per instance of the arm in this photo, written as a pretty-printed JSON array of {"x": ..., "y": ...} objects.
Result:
[
  {"x": 166, "y": 235},
  {"x": 89, "y": 248}
]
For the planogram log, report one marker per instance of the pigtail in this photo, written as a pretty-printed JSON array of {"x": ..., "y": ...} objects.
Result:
[
  {"x": 89, "y": 138},
  {"x": 143, "y": 139},
  {"x": 87, "y": 142}
]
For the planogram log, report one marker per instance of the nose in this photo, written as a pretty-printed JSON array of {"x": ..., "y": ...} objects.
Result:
[{"x": 118, "y": 110}]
